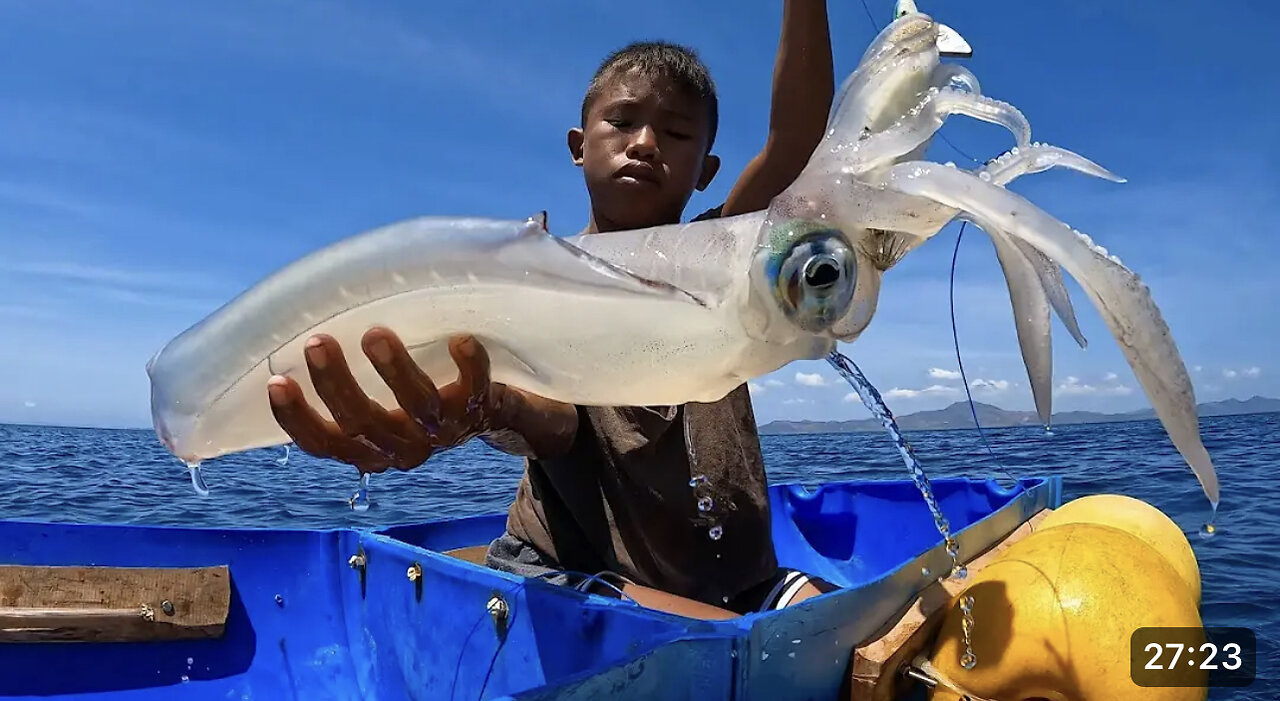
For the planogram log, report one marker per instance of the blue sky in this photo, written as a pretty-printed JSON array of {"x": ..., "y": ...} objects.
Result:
[{"x": 157, "y": 158}]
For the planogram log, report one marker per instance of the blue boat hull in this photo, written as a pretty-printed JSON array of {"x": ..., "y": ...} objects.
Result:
[{"x": 304, "y": 624}]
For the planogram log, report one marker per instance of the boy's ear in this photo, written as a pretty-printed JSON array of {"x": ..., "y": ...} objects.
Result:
[
  {"x": 575, "y": 145},
  {"x": 710, "y": 166}
]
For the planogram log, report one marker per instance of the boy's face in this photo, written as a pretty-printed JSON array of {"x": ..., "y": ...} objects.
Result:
[{"x": 643, "y": 151}]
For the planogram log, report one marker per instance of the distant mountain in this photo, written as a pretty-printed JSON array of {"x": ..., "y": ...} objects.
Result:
[{"x": 958, "y": 415}]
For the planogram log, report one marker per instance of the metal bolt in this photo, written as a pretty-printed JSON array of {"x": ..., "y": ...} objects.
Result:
[
  {"x": 357, "y": 562},
  {"x": 414, "y": 573},
  {"x": 499, "y": 611},
  {"x": 279, "y": 600},
  {"x": 167, "y": 607}
]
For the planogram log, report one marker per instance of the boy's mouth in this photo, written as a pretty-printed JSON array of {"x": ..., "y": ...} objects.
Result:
[{"x": 639, "y": 173}]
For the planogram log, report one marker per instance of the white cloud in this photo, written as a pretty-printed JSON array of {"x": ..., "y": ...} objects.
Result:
[
  {"x": 852, "y": 398},
  {"x": 29, "y": 404},
  {"x": 1250, "y": 372},
  {"x": 931, "y": 390},
  {"x": 773, "y": 382},
  {"x": 1198, "y": 368},
  {"x": 1111, "y": 377},
  {"x": 941, "y": 374},
  {"x": 794, "y": 401},
  {"x": 754, "y": 388},
  {"x": 1073, "y": 386},
  {"x": 810, "y": 379},
  {"x": 989, "y": 385}
]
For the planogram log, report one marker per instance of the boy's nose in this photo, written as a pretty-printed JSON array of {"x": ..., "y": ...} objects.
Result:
[{"x": 644, "y": 145}]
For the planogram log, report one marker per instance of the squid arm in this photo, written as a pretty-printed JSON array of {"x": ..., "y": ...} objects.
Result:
[{"x": 1122, "y": 299}]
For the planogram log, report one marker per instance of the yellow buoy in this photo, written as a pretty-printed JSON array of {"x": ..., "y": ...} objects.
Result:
[
  {"x": 1053, "y": 616},
  {"x": 1137, "y": 518}
]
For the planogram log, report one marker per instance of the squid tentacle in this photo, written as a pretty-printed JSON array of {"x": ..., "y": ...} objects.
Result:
[
  {"x": 914, "y": 130},
  {"x": 1035, "y": 159},
  {"x": 1038, "y": 157},
  {"x": 1122, "y": 299},
  {"x": 1027, "y": 296},
  {"x": 948, "y": 74}
]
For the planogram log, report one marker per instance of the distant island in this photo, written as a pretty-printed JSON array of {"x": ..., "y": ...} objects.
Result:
[{"x": 958, "y": 416}]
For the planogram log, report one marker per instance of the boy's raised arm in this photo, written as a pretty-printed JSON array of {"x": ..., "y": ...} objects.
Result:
[{"x": 803, "y": 87}]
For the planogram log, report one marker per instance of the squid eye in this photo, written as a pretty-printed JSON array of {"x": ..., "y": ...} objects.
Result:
[
  {"x": 822, "y": 271},
  {"x": 815, "y": 279}
]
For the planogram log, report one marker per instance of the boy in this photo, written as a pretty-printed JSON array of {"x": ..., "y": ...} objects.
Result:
[{"x": 670, "y": 501}]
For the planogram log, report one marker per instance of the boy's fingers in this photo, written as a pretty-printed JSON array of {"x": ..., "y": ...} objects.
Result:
[
  {"x": 414, "y": 391},
  {"x": 473, "y": 371},
  {"x": 351, "y": 408},
  {"x": 294, "y": 415},
  {"x": 312, "y": 433}
]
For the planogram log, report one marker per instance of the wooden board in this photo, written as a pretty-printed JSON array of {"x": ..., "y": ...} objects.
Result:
[
  {"x": 876, "y": 666},
  {"x": 474, "y": 554},
  {"x": 112, "y": 604}
]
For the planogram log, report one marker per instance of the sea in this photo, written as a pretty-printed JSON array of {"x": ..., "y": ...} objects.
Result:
[{"x": 87, "y": 475}]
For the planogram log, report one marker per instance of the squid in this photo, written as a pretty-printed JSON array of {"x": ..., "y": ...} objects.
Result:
[{"x": 686, "y": 312}]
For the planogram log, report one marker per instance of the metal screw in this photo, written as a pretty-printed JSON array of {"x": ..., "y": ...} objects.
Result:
[
  {"x": 279, "y": 600},
  {"x": 499, "y": 611},
  {"x": 167, "y": 607},
  {"x": 414, "y": 573}
]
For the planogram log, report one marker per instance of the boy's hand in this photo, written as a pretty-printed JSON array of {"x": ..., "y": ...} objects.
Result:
[{"x": 372, "y": 438}]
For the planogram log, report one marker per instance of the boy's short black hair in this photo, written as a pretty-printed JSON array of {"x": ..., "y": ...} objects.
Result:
[{"x": 676, "y": 63}]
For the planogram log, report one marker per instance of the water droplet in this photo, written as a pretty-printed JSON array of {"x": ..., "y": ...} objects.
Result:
[
  {"x": 1208, "y": 531},
  {"x": 968, "y": 661},
  {"x": 698, "y": 480},
  {"x": 985, "y": 176},
  {"x": 197, "y": 479},
  {"x": 185, "y": 679},
  {"x": 763, "y": 655},
  {"x": 724, "y": 599},
  {"x": 705, "y": 504},
  {"x": 360, "y": 500},
  {"x": 190, "y": 661},
  {"x": 961, "y": 572},
  {"x": 966, "y": 603},
  {"x": 715, "y": 532},
  {"x": 1014, "y": 151},
  {"x": 926, "y": 571},
  {"x": 792, "y": 655},
  {"x": 795, "y": 642},
  {"x": 951, "y": 164},
  {"x": 284, "y": 460}
]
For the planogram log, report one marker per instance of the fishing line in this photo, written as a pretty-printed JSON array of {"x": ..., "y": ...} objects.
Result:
[{"x": 955, "y": 339}]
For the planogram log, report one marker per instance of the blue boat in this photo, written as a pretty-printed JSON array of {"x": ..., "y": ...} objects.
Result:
[{"x": 336, "y": 614}]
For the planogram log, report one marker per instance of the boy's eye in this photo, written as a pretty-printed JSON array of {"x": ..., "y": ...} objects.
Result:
[
  {"x": 619, "y": 123},
  {"x": 682, "y": 136}
]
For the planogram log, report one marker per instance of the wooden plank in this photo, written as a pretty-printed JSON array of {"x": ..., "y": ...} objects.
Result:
[
  {"x": 474, "y": 554},
  {"x": 876, "y": 664},
  {"x": 112, "y": 604}
]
